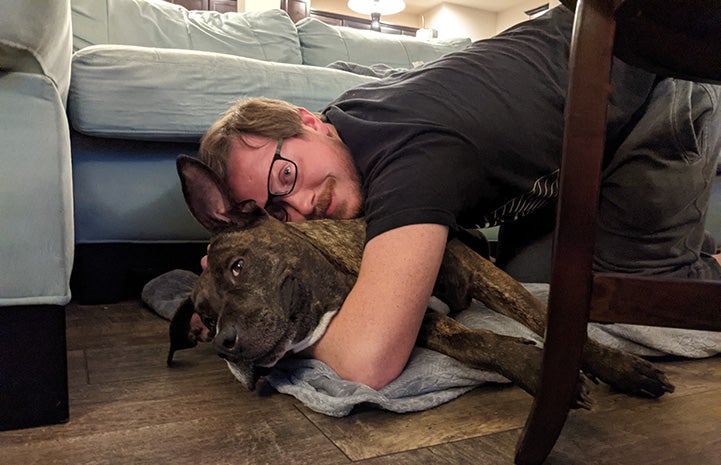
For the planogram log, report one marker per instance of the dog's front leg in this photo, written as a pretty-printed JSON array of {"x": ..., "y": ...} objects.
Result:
[
  {"x": 465, "y": 275},
  {"x": 516, "y": 358}
]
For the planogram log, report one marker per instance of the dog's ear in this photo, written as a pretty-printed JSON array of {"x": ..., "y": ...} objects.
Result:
[
  {"x": 209, "y": 199},
  {"x": 180, "y": 334}
]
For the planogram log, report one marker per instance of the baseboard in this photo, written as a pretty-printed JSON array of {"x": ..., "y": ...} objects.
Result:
[
  {"x": 33, "y": 366},
  {"x": 111, "y": 272}
]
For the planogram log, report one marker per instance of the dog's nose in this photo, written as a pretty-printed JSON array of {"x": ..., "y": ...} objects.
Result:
[{"x": 227, "y": 336}]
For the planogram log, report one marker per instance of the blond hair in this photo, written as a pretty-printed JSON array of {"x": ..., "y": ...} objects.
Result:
[{"x": 274, "y": 119}]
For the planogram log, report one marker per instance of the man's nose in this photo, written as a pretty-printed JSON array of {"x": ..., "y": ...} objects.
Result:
[{"x": 301, "y": 205}]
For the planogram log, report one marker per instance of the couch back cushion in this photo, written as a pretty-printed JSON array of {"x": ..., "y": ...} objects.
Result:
[
  {"x": 322, "y": 44},
  {"x": 268, "y": 35}
]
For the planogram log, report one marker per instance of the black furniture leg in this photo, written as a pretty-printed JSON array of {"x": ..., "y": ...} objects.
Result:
[{"x": 33, "y": 366}]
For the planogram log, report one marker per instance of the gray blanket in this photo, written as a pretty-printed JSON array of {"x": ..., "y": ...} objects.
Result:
[{"x": 430, "y": 378}]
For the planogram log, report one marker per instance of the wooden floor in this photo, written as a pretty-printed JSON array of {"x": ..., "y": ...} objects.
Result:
[{"x": 126, "y": 407}]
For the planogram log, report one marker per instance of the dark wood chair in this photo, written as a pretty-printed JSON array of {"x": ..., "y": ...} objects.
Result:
[{"x": 678, "y": 38}]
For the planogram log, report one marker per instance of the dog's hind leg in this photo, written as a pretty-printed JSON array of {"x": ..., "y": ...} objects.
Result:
[
  {"x": 465, "y": 275},
  {"x": 516, "y": 358}
]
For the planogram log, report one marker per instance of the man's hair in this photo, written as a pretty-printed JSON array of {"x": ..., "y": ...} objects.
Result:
[{"x": 264, "y": 117}]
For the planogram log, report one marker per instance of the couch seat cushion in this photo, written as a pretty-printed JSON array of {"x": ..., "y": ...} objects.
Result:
[{"x": 168, "y": 94}]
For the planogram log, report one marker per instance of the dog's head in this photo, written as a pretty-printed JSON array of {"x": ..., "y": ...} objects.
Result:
[{"x": 266, "y": 287}]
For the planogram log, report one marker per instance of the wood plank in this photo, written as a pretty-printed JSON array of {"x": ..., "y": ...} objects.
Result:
[
  {"x": 375, "y": 433},
  {"x": 689, "y": 377},
  {"x": 138, "y": 408},
  {"x": 127, "y": 407},
  {"x": 429, "y": 456},
  {"x": 233, "y": 438},
  {"x": 109, "y": 365},
  {"x": 684, "y": 429},
  {"x": 495, "y": 449},
  {"x": 654, "y": 432},
  {"x": 487, "y": 411},
  {"x": 123, "y": 324}
]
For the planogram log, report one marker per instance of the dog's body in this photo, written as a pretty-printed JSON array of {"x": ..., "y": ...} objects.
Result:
[{"x": 270, "y": 288}]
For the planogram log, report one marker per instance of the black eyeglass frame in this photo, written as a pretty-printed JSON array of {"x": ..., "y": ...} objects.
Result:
[{"x": 274, "y": 209}]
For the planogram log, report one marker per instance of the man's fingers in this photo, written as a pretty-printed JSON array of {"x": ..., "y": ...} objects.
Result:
[{"x": 204, "y": 260}]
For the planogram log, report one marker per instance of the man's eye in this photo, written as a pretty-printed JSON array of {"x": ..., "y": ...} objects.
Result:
[{"x": 287, "y": 176}]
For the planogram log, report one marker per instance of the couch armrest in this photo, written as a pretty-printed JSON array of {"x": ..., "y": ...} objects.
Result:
[
  {"x": 35, "y": 37},
  {"x": 36, "y": 231}
]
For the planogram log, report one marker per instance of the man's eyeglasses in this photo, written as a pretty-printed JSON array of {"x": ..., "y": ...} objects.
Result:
[{"x": 281, "y": 181}]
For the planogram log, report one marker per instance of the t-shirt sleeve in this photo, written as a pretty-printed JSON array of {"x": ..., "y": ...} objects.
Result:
[{"x": 422, "y": 182}]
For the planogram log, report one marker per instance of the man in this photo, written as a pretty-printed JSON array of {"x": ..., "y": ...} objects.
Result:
[{"x": 471, "y": 140}]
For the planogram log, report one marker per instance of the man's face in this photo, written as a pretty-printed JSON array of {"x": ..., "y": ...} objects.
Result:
[{"x": 326, "y": 184}]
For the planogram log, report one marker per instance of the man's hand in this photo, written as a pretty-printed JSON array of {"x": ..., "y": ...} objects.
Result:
[
  {"x": 371, "y": 338},
  {"x": 204, "y": 260}
]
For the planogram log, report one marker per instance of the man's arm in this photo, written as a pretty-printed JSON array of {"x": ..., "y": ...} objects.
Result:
[{"x": 371, "y": 338}]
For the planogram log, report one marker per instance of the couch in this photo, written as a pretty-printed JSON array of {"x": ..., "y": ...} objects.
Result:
[
  {"x": 148, "y": 78},
  {"x": 36, "y": 203}
]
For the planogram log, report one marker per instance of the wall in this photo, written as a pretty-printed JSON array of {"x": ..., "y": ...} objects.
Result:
[
  {"x": 341, "y": 7},
  {"x": 257, "y": 5},
  {"x": 515, "y": 15},
  {"x": 451, "y": 20}
]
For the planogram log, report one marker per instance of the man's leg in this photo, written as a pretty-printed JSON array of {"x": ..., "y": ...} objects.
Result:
[
  {"x": 655, "y": 189},
  {"x": 525, "y": 246}
]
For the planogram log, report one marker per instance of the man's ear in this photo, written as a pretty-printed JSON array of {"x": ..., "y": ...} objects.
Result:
[{"x": 311, "y": 120}]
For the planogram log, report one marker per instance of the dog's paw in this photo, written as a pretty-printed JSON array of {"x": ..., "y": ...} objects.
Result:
[
  {"x": 642, "y": 378},
  {"x": 583, "y": 395},
  {"x": 626, "y": 373}
]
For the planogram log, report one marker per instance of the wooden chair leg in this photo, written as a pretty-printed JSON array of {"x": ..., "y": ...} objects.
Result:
[{"x": 571, "y": 280}]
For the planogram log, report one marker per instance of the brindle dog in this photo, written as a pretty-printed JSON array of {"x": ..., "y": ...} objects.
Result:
[{"x": 270, "y": 289}]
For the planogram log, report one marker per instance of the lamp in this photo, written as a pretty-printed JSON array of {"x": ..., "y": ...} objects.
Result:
[
  {"x": 424, "y": 32},
  {"x": 376, "y": 8}
]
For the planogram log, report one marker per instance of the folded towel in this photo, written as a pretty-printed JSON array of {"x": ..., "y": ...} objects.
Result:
[{"x": 430, "y": 378}]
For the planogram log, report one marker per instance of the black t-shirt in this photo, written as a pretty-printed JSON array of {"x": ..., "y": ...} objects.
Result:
[{"x": 473, "y": 138}]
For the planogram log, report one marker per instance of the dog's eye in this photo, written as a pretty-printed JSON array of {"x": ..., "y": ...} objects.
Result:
[{"x": 236, "y": 267}]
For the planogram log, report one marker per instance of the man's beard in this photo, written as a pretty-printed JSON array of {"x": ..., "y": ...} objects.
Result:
[
  {"x": 342, "y": 209},
  {"x": 324, "y": 200},
  {"x": 348, "y": 208}
]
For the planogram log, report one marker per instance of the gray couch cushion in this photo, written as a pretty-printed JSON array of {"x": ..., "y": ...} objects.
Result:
[
  {"x": 169, "y": 94},
  {"x": 267, "y": 35},
  {"x": 35, "y": 38},
  {"x": 322, "y": 44}
]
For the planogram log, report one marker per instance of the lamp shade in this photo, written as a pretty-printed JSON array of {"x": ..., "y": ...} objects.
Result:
[{"x": 384, "y": 7}]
